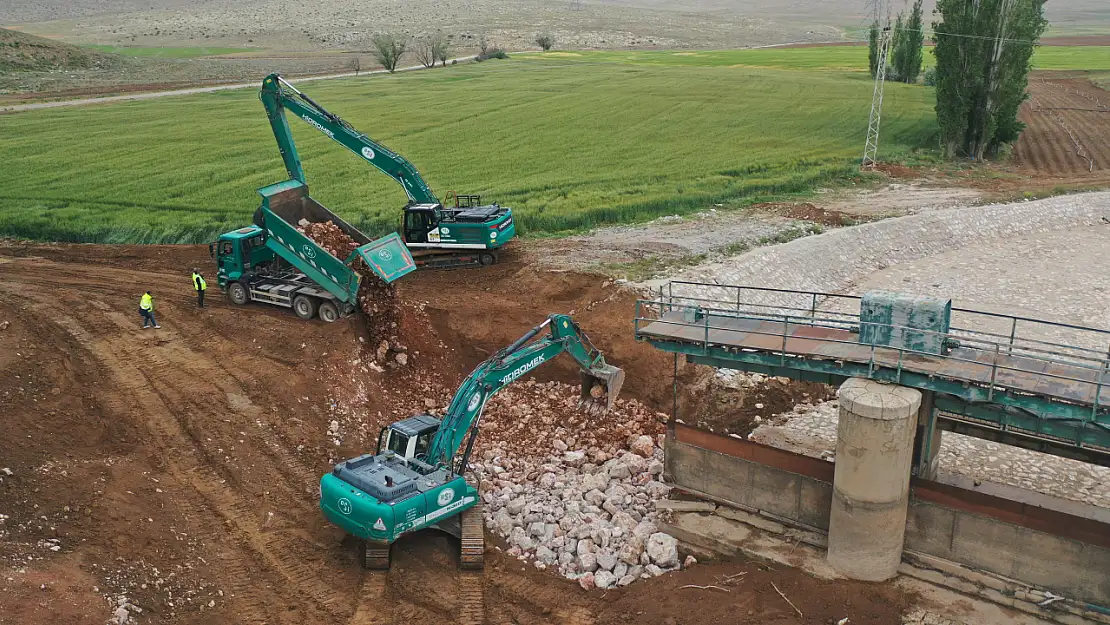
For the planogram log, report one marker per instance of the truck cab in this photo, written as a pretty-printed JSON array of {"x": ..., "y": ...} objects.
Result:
[
  {"x": 409, "y": 438},
  {"x": 238, "y": 251}
]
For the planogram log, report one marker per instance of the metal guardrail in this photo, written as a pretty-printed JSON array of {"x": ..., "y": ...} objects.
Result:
[
  {"x": 1095, "y": 341},
  {"x": 1088, "y": 365}
]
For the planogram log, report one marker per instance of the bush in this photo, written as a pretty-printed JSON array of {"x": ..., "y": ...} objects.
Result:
[
  {"x": 545, "y": 41},
  {"x": 485, "y": 51},
  {"x": 931, "y": 77}
]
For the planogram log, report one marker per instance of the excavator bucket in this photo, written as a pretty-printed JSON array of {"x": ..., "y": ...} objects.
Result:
[{"x": 600, "y": 387}]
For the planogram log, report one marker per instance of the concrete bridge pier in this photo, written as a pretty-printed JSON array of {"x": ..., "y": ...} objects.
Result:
[{"x": 871, "y": 484}]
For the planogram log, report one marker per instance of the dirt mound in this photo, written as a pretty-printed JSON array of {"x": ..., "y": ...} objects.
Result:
[
  {"x": 752, "y": 598},
  {"x": 733, "y": 402}
]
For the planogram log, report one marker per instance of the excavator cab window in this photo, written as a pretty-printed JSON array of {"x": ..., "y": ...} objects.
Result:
[
  {"x": 422, "y": 443},
  {"x": 417, "y": 224},
  {"x": 398, "y": 443}
]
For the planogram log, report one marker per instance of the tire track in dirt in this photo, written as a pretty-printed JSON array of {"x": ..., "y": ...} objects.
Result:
[
  {"x": 521, "y": 590},
  {"x": 371, "y": 607},
  {"x": 472, "y": 598}
]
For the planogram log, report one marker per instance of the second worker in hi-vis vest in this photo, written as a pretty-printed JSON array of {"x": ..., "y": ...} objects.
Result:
[{"x": 200, "y": 285}]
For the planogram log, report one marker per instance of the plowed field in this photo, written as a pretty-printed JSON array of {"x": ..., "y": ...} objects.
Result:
[{"x": 1068, "y": 129}]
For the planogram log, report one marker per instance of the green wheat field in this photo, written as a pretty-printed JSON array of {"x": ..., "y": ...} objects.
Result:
[{"x": 569, "y": 141}]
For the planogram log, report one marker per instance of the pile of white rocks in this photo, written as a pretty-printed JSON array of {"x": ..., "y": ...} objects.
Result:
[{"x": 589, "y": 514}]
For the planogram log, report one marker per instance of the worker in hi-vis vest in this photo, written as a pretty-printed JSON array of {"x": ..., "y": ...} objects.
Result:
[
  {"x": 200, "y": 285},
  {"x": 146, "y": 309}
]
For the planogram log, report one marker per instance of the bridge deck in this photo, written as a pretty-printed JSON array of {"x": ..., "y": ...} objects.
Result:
[
  {"x": 1028, "y": 382},
  {"x": 1065, "y": 382}
]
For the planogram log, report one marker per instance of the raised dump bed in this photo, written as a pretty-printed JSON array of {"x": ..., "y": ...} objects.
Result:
[{"x": 272, "y": 262}]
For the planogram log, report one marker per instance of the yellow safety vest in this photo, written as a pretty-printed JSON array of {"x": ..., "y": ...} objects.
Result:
[
  {"x": 147, "y": 303},
  {"x": 199, "y": 283}
]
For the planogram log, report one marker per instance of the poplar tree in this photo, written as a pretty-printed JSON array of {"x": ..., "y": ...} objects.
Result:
[{"x": 983, "y": 51}]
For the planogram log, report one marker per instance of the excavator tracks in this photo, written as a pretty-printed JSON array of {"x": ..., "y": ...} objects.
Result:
[
  {"x": 473, "y": 539},
  {"x": 375, "y": 556}
]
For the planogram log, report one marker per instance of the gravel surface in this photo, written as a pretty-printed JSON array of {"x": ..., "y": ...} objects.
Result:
[
  {"x": 848, "y": 255},
  {"x": 812, "y": 431}
]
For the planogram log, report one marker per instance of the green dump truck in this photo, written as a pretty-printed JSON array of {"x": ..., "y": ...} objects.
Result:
[{"x": 272, "y": 262}]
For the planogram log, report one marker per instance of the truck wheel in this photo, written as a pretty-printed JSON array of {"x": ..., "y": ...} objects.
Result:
[
  {"x": 304, "y": 306},
  {"x": 238, "y": 294},
  {"x": 328, "y": 312},
  {"x": 487, "y": 258}
]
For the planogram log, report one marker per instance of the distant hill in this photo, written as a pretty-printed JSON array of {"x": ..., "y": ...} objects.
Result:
[{"x": 20, "y": 52}]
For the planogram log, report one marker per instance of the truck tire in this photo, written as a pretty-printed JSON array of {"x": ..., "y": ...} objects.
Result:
[
  {"x": 304, "y": 306},
  {"x": 487, "y": 258},
  {"x": 328, "y": 312},
  {"x": 238, "y": 293}
]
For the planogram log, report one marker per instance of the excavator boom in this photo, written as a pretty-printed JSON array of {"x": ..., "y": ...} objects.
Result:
[
  {"x": 278, "y": 96},
  {"x": 600, "y": 381}
]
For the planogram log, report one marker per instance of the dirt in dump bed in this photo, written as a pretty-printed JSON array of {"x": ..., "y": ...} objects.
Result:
[
  {"x": 376, "y": 298},
  {"x": 179, "y": 467}
]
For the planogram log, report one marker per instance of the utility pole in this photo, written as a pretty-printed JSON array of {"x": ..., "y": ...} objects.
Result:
[{"x": 871, "y": 147}]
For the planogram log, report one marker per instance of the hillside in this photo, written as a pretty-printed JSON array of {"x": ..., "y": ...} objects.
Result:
[{"x": 20, "y": 52}]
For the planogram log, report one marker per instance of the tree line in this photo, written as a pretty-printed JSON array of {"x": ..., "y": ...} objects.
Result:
[
  {"x": 983, "y": 51},
  {"x": 906, "y": 56},
  {"x": 432, "y": 49}
]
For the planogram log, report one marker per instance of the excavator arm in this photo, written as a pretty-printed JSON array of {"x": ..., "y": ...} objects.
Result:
[
  {"x": 601, "y": 384},
  {"x": 278, "y": 96}
]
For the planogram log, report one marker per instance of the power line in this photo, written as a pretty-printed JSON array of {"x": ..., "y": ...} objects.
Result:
[{"x": 933, "y": 34}]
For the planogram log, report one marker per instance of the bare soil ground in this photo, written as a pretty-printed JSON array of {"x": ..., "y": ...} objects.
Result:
[
  {"x": 179, "y": 466},
  {"x": 1068, "y": 128}
]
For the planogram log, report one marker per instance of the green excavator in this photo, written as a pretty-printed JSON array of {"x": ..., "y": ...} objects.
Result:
[
  {"x": 415, "y": 478},
  {"x": 438, "y": 235}
]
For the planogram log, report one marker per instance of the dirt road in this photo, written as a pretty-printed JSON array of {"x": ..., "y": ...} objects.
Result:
[
  {"x": 17, "y": 108},
  {"x": 179, "y": 467}
]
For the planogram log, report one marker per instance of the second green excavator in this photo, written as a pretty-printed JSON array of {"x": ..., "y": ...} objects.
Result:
[
  {"x": 466, "y": 233},
  {"x": 415, "y": 480}
]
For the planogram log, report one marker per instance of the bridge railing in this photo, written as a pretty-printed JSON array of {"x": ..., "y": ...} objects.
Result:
[
  {"x": 1020, "y": 335},
  {"x": 1086, "y": 367}
]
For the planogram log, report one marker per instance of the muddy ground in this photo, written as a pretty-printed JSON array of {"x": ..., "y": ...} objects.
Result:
[{"x": 179, "y": 466}]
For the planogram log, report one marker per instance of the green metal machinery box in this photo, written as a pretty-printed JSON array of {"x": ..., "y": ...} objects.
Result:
[{"x": 915, "y": 323}]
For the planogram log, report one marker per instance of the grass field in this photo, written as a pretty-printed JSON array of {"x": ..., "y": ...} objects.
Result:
[
  {"x": 167, "y": 53},
  {"x": 829, "y": 58},
  {"x": 568, "y": 145}
]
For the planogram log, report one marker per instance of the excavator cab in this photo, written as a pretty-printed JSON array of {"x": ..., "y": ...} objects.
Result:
[{"x": 409, "y": 438}]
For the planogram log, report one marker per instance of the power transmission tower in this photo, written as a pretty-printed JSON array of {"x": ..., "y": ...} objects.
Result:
[
  {"x": 871, "y": 147},
  {"x": 575, "y": 5}
]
